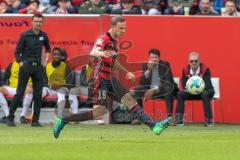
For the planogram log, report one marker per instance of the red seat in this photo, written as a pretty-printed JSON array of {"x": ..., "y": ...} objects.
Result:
[
  {"x": 83, "y": 98},
  {"x": 8, "y": 96},
  {"x": 50, "y": 98}
]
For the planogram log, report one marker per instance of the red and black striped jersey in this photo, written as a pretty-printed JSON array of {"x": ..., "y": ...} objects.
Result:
[{"x": 103, "y": 65}]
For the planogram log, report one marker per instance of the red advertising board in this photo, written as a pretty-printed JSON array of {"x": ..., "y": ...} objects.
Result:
[{"x": 215, "y": 38}]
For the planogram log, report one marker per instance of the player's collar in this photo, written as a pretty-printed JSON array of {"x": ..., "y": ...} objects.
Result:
[{"x": 109, "y": 35}]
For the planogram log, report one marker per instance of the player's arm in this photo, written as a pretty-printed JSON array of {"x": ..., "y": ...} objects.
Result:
[
  {"x": 98, "y": 52},
  {"x": 19, "y": 48},
  {"x": 47, "y": 47},
  {"x": 98, "y": 49},
  {"x": 184, "y": 79},
  {"x": 7, "y": 74},
  {"x": 120, "y": 68},
  {"x": 69, "y": 76},
  {"x": 45, "y": 78}
]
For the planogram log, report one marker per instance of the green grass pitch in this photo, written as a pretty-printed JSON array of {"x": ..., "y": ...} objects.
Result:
[{"x": 120, "y": 142}]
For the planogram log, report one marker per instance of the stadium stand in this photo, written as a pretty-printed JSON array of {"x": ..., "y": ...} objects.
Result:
[{"x": 144, "y": 7}]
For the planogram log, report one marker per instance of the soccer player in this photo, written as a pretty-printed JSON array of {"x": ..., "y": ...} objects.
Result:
[
  {"x": 105, "y": 53},
  {"x": 57, "y": 76}
]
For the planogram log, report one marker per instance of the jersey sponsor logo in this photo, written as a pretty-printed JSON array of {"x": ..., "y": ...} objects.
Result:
[{"x": 99, "y": 42}]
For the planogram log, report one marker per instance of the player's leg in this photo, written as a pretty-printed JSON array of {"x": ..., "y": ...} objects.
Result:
[
  {"x": 27, "y": 100},
  {"x": 181, "y": 97},
  {"x": 157, "y": 127},
  {"x": 73, "y": 100},
  {"x": 166, "y": 92},
  {"x": 90, "y": 114},
  {"x": 127, "y": 99},
  {"x": 139, "y": 93},
  {"x": 24, "y": 75},
  {"x": 95, "y": 113},
  {"x": 206, "y": 96},
  {"x": 131, "y": 103},
  {"x": 3, "y": 104},
  {"x": 82, "y": 116},
  {"x": 37, "y": 80},
  {"x": 61, "y": 102}
]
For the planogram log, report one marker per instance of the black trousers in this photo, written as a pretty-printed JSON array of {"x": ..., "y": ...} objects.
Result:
[
  {"x": 167, "y": 92},
  {"x": 25, "y": 72},
  {"x": 205, "y": 96}
]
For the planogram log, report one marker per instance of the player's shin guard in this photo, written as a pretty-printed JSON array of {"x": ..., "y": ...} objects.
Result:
[
  {"x": 141, "y": 116},
  {"x": 73, "y": 103},
  {"x": 84, "y": 116}
]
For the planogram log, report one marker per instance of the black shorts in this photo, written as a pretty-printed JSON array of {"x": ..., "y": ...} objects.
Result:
[{"x": 100, "y": 90}]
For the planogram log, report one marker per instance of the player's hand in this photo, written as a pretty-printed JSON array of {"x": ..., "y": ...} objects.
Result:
[
  {"x": 150, "y": 65},
  {"x": 130, "y": 76},
  {"x": 20, "y": 64}
]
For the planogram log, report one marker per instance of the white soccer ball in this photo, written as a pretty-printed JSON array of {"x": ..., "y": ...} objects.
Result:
[{"x": 195, "y": 85}]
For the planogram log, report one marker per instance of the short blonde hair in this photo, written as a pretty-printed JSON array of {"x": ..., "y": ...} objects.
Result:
[{"x": 117, "y": 19}]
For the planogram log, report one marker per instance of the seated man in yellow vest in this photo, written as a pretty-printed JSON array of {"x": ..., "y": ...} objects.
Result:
[
  {"x": 11, "y": 78},
  {"x": 57, "y": 76}
]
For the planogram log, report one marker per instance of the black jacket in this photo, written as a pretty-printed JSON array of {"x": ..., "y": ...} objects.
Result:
[
  {"x": 29, "y": 47},
  {"x": 165, "y": 74}
]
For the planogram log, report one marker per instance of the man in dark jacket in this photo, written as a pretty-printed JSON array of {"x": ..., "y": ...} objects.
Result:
[
  {"x": 127, "y": 7},
  {"x": 157, "y": 81},
  {"x": 195, "y": 68}
]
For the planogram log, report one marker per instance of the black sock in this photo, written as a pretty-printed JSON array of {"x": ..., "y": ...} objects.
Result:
[
  {"x": 141, "y": 116},
  {"x": 84, "y": 116}
]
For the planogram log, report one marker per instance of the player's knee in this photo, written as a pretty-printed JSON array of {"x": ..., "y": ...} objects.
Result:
[
  {"x": 29, "y": 90},
  {"x": 205, "y": 95},
  {"x": 74, "y": 91},
  {"x": 61, "y": 97},
  {"x": 3, "y": 90},
  {"x": 62, "y": 90},
  {"x": 180, "y": 95},
  {"x": 98, "y": 111},
  {"x": 128, "y": 100},
  {"x": 168, "y": 88}
]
